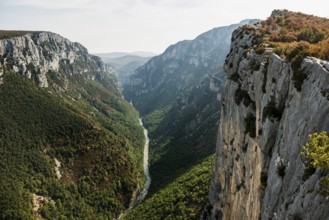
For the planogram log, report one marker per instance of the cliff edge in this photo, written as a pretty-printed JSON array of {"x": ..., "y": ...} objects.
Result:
[{"x": 267, "y": 114}]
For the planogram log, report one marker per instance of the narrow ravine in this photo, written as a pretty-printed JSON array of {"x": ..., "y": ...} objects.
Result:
[
  {"x": 139, "y": 196},
  {"x": 145, "y": 190}
]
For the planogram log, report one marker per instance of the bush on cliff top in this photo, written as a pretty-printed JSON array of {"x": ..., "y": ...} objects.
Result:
[
  {"x": 284, "y": 31},
  {"x": 293, "y": 36}
]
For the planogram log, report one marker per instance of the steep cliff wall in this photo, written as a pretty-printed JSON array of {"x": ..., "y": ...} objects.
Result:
[
  {"x": 182, "y": 66},
  {"x": 265, "y": 121},
  {"x": 34, "y": 54}
]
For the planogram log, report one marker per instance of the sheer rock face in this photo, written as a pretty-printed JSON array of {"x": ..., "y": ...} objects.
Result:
[
  {"x": 182, "y": 66},
  {"x": 36, "y": 54},
  {"x": 258, "y": 172}
]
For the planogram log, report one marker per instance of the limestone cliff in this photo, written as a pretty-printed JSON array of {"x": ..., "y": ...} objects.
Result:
[
  {"x": 179, "y": 68},
  {"x": 265, "y": 121},
  {"x": 36, "y": 54}
]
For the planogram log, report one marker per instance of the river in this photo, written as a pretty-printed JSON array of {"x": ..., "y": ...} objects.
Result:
[
  {"x": 145, "y": 190},
  {"x": 141, "y": 195}
]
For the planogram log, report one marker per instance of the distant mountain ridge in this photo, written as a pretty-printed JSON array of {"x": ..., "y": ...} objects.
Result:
[
  {"x": 182, "y": 65},
  {"x": 126, "y": 63},
  {"x": 122, "y": 54}
]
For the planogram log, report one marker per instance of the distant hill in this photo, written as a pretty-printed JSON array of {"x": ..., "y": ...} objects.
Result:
[
  {"x": 122, "y": 54},
  {"x": 126, "y": 63}
]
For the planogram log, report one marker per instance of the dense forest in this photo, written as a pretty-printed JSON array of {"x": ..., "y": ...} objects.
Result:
[
  {"x": 99, "y": 150},
  {"x": 183, "y": 198}
]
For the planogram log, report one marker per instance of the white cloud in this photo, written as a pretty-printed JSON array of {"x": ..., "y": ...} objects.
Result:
[
  {"x": 49, "y": 4},
  {"x": 112, "y": 25}
]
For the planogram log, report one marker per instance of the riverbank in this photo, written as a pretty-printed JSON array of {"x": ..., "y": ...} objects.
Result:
[
  {"x": 139, "y": 196},
  {"x": 143, "y": 194}
]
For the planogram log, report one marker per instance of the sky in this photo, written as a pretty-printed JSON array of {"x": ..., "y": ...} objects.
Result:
[{"x": 139, "y": 25}]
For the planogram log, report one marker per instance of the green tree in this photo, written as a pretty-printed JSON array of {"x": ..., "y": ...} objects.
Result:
[{"x": 317, "y": 153}]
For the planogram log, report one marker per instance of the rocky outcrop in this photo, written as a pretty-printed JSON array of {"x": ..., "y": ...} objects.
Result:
[
  {"x": 36, "y": 54},
  {"x": 265, "y": 121}
]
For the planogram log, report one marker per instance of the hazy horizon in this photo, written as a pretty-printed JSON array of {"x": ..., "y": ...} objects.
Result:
[{"x": 137, "y": 25}]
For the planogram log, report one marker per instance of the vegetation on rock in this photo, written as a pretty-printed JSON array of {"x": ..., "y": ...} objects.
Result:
[
  {"x": 293, "y": 36},
  {"x": 316, "y": 151},
  {"x": 286, "y": 30}
]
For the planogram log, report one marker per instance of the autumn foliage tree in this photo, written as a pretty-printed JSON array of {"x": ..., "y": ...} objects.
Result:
[{"x": 284, "y": 32}]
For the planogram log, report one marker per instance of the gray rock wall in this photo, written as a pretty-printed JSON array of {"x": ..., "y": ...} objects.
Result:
[
  {"x": 258, "y": 172},
  {"x": 36, "y": 53},
  {"x": 181, "y": 67}
]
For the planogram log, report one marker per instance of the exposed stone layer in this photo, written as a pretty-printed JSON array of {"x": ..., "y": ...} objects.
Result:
[
  {"x": 264, "y": 123},
  {"x": 37, "y": 53}
]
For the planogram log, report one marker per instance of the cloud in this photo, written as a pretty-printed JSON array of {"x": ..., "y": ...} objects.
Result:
[
  {"x": 176, "y": 3},
  {"x": 107, "y": 4},
  {"x": 110, "y": 25},
  {"x": 48, "y": 4}
]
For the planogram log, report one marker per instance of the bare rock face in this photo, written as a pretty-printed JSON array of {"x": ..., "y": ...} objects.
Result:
[
  {"x": 265, "y": 121},
  {"x": 37, "y": 54},
  {"x": 181, "y": 66}
]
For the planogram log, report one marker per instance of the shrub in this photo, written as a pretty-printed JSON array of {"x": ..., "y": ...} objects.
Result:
[
  {"x": 311, "y": 35},
  {"x": 298, "y": 79},
  {"x": 11, "y": 34},
  {"x": 279, "y": 20},
  {"x": 325, "y": 93},
  {"x": 263, "y": 179},
  {"x": 256, "y": 66},
  {"x": 248, "y": 28},
  {"x": 298, "y": 49},
  {"x": 320, "y": 50},
  {"x": 238, "y": 187},
  {"x": 270, "y": 111},
  {"x": 308, "y": 171},
  {"x": 242, "y": 95},
  {"x": 296, "y": 216},
  {"x": 281, "y": 169},
  {"x": 296, "y": 56},
  {"x": 260, "y": 50},
  {"x": 285, "y": 32},
  {"x": 278, "y": 50},
  {"x": 234, "y": 77},
  {"x": 316, "y": 151},
  {"x": 250, "y": 125},
  {"x": 265, "y": 76}
]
